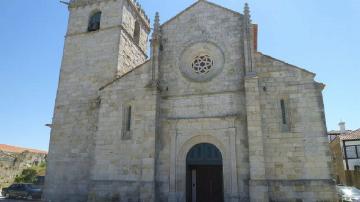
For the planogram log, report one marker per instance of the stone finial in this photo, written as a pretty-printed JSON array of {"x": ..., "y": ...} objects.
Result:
[
  {"x": 155, "y": 51},
  {"x": 248, "y": 41},
  {"x": 247, "y": 13},
  {"x": 157, "y": 19},
  {"x": 156, "y": 25}
]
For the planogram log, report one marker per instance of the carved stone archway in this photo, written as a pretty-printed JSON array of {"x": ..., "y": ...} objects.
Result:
[{"x": 180, "y": 173}]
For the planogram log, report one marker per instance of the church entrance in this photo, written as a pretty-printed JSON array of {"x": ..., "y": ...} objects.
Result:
[{"x": 204, "y": 174}]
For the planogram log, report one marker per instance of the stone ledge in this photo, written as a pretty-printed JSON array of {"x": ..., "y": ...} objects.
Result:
[{"x": 229, "y": 116}]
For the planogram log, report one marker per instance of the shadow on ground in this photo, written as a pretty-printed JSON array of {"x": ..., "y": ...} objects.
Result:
[{"x": 2, "y": 199}]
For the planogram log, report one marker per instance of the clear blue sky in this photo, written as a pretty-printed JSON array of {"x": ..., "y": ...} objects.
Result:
[{"x": 322, "y": 36}]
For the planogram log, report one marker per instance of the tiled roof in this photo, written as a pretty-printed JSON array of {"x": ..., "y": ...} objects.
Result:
[
  {"x": 354, "y": 135},
  {"x": 337, "y": 132},
  {"x": 8, "y": 148}
]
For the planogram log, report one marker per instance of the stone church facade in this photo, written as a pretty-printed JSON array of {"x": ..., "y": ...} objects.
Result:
[{"x": 205, "y": 117}]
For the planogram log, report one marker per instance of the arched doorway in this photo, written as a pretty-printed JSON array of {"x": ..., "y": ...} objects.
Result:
[{"x": 204, "y": 174}]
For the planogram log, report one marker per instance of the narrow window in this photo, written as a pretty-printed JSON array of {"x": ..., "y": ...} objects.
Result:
[
  {"x": 137, "y": 33},
  {"x": 128, "y": 121},
  {"x": 283, "y": 112},
  {"x": 94, "y": 22}
]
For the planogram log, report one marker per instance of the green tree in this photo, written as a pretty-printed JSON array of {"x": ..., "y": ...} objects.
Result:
[{"x": 27, "y": 176}]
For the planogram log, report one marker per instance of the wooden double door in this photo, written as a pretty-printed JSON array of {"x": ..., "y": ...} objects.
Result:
[
  {"x": 205, "y": 183},
  {"x": 204, "y": 174}
]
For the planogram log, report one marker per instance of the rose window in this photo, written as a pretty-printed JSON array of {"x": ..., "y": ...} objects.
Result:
[{"x": 202, "y": 64}]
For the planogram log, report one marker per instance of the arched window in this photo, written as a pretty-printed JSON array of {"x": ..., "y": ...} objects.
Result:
[
  {"x": 137, "y": 32},
  {"x": 94, "y": 22}
]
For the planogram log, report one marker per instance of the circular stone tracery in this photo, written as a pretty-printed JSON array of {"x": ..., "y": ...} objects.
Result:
[
  {"x": 202, "y": 64},
  {"x": 202, "y": 61}
]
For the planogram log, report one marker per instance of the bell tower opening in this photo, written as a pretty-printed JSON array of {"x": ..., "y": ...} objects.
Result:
[{"x": 204, "y": 174}]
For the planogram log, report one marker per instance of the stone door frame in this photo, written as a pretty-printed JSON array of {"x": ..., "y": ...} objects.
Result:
[{"x": 182, "y": 144}]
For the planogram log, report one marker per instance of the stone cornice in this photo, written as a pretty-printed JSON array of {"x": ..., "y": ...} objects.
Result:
[
  {"x": 171, "y": 96},
  {"x": 239, "y": 116}
]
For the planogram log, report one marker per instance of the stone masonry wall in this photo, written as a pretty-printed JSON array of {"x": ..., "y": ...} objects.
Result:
[
  {"x": 202, "y": 23},
  {"x": 89, "y": 62},
  {"x": 210, "y": 111},
  {"x": 129, "y": 56},
  {"x": 111, "y": 16},
  {"x": 123, "y": 167},
  {"x": 128, "y": 22},
  {"x": 297, "y": 156}
]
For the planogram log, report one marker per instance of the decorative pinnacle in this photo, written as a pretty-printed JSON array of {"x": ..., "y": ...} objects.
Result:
[
  {"x": 247, "y": 13},
  {"x": 157, "y": 18},
  {"x": 157, "y": 22},
  {"x": 156, "y": 32}
]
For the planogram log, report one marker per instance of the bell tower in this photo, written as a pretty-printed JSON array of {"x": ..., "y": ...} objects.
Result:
[{"x": 105, "y": 39}]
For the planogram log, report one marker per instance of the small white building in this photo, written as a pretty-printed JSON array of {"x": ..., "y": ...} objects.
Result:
[
  {"x": 345, "y": 150},
  {"x": 350, "y": 145}
]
